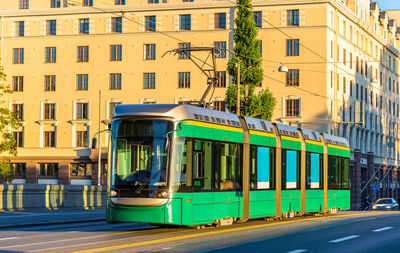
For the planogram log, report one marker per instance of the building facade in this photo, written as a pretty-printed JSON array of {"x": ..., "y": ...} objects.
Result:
[{"x": 342, "y": 59}]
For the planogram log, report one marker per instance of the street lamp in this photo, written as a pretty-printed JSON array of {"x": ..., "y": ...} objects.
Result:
[{"x": 283, "y": 68}]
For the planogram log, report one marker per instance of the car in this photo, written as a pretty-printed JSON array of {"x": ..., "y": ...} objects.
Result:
[{"x": 386, "y": 204}]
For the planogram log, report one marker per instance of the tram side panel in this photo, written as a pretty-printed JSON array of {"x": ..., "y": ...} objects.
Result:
[
  {"x": 314, "y": 176},
  {"x": 338, "y": 177},
  {"x": 216, "y": 180},
  {"x": 262, "y": 174},
  {"x": 291, "y": 194}
]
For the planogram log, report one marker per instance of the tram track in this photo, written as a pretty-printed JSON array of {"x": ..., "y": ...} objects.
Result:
[{"x": 100, "y": 237}]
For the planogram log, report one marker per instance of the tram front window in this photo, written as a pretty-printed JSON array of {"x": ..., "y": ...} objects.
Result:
[{"x": 140, "y": 155}]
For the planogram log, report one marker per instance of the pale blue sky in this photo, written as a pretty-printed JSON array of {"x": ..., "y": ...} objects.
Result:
[{"x": 388, "y": 4}]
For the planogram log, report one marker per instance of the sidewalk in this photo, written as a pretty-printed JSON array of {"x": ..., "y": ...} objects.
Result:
[{"x": 48, "y": 217}]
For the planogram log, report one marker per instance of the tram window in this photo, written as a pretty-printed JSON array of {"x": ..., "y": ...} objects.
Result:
[
  {"x": 314, "y": 171},
  {"x": 290, "y": 169},
  {"x": 262, "y": 168},
  {"x": 338, "y": 172},
  {"x": 333, "y": 173},
  {"x": 345, "y": 164},
  {"x": 228, "y": 165}
]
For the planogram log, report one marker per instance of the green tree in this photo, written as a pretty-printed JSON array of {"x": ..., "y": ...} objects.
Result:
[
  {"x": 247, "y": 52},
  {"x": 7, "y": 120}
]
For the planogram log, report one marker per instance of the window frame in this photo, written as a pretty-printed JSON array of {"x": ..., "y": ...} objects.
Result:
[
  {"x": 149, "y": 80},
  {"x": 185, "y": 22},
  {"x": 293, "y": 17},
  {"x": 116, "y": 24}
]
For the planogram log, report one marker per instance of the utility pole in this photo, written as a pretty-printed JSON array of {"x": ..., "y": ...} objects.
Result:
[
  {"x": 238, "y": 90},
  {"x": 99, "y": 145}
]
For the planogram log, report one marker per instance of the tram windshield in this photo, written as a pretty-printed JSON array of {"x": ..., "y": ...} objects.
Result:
[{"x": 140, "y": 154}]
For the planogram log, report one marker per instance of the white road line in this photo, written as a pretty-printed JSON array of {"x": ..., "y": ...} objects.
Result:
[
  {"x": 7, "y": 238},
  {"x": 345, "y": 238},
  {"x": 381, "y": 229},
  {"x": 297, "y": 251}
]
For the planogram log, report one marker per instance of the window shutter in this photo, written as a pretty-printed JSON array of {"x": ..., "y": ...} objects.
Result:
[{"x": 283, "y": 107}]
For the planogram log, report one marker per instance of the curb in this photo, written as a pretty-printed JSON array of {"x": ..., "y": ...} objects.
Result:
[{"x": 49, "y": 223}]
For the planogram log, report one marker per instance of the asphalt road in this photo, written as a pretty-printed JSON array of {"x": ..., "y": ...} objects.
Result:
[{"x": 351, "y": 232}]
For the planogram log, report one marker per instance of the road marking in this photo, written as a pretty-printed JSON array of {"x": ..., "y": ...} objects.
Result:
[
  {"x": 175, "y": 238},
  {"x": 345, "y": 238},
  {"x": 7, "y": 238},
  {"x": 382, "y": 229},
  {"x": 297, "y": 251}
]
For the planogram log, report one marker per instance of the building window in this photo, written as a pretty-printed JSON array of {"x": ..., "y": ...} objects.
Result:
[
  {"x": 292, "y": 107},
  {"x": 48, "y": 169},
  {"x": 55, "y": 4},
  {"x": 112, "y": 106},
  {"x": 51, "y": 27},
  {"x": 185, "y": 1},
  {"x": 149, "y": 51},
  {"x": 19, "y": 139},
  {"x": 50, "y": 139},
  {"x": 82, "y": 81},
  {"x": 292, "y": 77},
  {"x": 292, "y": 47},
  {"x": 293, "y": 17},
  {"x": 50, "y": 111},
  {"x": 81, "y": 139},
  {"x": 257, "y": 16},
  {"x": 221, "y": 49},
  {"x": 184, "y": 80},
  {"x": 81, "y": 169},
  {"x": 152, "y": 1},
  {"x": 82, "y": 110},
  {"x": 149, "y": 80},
  {"x": 18, "y": 55},
  {"x": 186, "y": 48},
  {"x": 219, "y": 21},
  {"x": 83, "y": 53},
  {"x": 185, "y": 22},
  {"x": 19, "y": 169},
  {"x": 87, "y": 3},
  {"x": 18, "y": 110},
  {"x": 221, "y": 79},
  {"x": 115, "y": 81},
  {"x": 18, "y": 83},
  {"x": 119, "y": 2},
  {"x": 150, "y": 25},
  {"x": 116, "y": 53},
  {"x": 84, "y": 26},
  {"x": 50, "y": 83},
  {"x": 351, "y": 60},
  {"x": 116, "y": 24},
  {"x": 50, "y": 55},
  {"x": 24, "y": 4},
  {"x": 219, "y": 105},
  {"x": 19, "y": 28}
]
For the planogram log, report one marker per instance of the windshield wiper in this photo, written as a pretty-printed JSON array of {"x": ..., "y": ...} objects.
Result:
[{"x": 147, "y": 182}]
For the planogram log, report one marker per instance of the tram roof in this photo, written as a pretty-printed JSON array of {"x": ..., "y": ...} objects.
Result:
[
  {"x": 336, "y": 140},
  {"x": 178, "y": 112}
]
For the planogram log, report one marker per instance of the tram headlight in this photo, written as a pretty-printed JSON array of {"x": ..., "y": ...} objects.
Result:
[
  {"x": 113, "y": 193},
  {"x": 162, "y": 194}
]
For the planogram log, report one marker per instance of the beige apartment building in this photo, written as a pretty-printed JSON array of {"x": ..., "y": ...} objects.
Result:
[{"x": 342, "y": 59}]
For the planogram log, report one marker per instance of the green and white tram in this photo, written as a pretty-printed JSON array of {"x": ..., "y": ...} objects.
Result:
[{"x": 186, "y": 165}]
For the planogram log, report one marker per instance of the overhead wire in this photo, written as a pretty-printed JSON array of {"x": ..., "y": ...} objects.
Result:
[{"x": 117, "y": 13}]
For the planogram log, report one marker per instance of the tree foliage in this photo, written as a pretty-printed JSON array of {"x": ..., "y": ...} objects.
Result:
[
  {"x": 8, "y": 121},
  {"x": 247, "y": 52}
]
